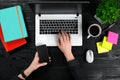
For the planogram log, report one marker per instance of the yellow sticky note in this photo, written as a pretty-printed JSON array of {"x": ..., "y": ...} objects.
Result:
[
  {"x": 100, "y": 49},
  {"x": 106, "y": 44}
]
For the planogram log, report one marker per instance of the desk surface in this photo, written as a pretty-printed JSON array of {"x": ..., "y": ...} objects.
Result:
[{"x": 105, "y": 66}]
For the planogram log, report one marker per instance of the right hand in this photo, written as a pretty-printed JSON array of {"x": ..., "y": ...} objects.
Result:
[{"x": 64, "y": 44}]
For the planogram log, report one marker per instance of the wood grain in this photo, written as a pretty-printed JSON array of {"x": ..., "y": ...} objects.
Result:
[{"x": 105, "y": 66}]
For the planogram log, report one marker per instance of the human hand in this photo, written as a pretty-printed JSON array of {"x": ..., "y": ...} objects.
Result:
[
  {"x": 64, "y": 44},
  {"x": 34, "y": 65}
]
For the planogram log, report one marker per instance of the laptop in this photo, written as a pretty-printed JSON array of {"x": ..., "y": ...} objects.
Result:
[{"x": 51, "y": 18}]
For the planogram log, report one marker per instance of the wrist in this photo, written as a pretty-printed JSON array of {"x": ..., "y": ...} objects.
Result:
[
  {"x": 22, "y": 75},
  {"x": 28, "y": 71},
  {"x": 67, "y": 52},
  {"x": 69, "y": 56}
]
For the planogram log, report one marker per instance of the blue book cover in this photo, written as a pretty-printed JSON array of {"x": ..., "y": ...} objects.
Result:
[{"x": 13, "y": 24}]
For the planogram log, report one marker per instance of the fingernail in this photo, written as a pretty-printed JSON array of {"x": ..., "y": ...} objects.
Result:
[{"x": 45, "y": 63}]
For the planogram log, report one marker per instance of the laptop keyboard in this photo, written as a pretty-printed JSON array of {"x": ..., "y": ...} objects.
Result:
[{"x": 55, "y": 26}]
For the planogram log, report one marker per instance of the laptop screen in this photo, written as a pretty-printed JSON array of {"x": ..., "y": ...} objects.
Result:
[{"x": 58, "y": 6}]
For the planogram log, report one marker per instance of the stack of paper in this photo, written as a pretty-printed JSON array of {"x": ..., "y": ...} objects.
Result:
[
  {"x": 112, "y": 37},
  {"x": 100, "y": 48},
  {"x": 107, "y": 43},
  {"x": 12, "y": 30}
]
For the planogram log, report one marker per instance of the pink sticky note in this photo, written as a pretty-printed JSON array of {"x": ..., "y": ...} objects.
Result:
[{"x": 112, "y": 37}]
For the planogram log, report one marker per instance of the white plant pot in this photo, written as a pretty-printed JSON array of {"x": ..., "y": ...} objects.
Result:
[{"x": 98, "y": 19}]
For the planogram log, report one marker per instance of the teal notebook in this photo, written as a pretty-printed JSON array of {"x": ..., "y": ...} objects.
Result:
[{"x": 13, "y": 24}]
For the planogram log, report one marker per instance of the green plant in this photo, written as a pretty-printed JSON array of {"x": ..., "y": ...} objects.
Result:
[{"x": 108, "y": 11}]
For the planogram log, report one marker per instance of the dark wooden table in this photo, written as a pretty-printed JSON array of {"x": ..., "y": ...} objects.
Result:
[{"x": 105, "y": 66}]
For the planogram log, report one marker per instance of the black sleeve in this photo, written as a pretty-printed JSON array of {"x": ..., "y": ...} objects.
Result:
[
  {"x": 74, "y": 67},
  {"x": 16, "y": 78}
]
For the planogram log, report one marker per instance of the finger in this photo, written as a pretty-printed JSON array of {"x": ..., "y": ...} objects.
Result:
[
  {"x": 50, "y": 60},
  {"x": 67, "y": 37},
  {"x": 36, "y": 55},
  {"x": 49, "y": 57},
  {"x": 61, "y": 39},
  {"x": 42, "y": 64},
  {"x": 37, "y": 58},
  {"x": 58, "y": 43},
  {"x": 59, "y": 34},
  {"x": 58, "y": 38},
  {"x": 63, "y": 36}
]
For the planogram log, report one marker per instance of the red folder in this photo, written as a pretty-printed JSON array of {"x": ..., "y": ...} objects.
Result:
[{"x": 9, "y": 46}]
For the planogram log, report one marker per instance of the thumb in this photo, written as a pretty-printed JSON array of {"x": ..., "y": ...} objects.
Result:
[
  {"x": 42, "y": 64},
  {"x": 36, "y": 55}
]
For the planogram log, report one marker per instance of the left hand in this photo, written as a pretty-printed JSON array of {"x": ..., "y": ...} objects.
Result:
[{"x": 34, "y": 65}]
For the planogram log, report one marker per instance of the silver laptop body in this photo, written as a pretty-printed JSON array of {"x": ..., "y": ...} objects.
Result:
[{"x": 51, "y": 39}]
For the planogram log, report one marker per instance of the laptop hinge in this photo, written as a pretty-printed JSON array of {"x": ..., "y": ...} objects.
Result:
[
  {"x": 77, "y": 14},
  {"x": 38, "y": 9},
  {"x": 78, "y": 9}
]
